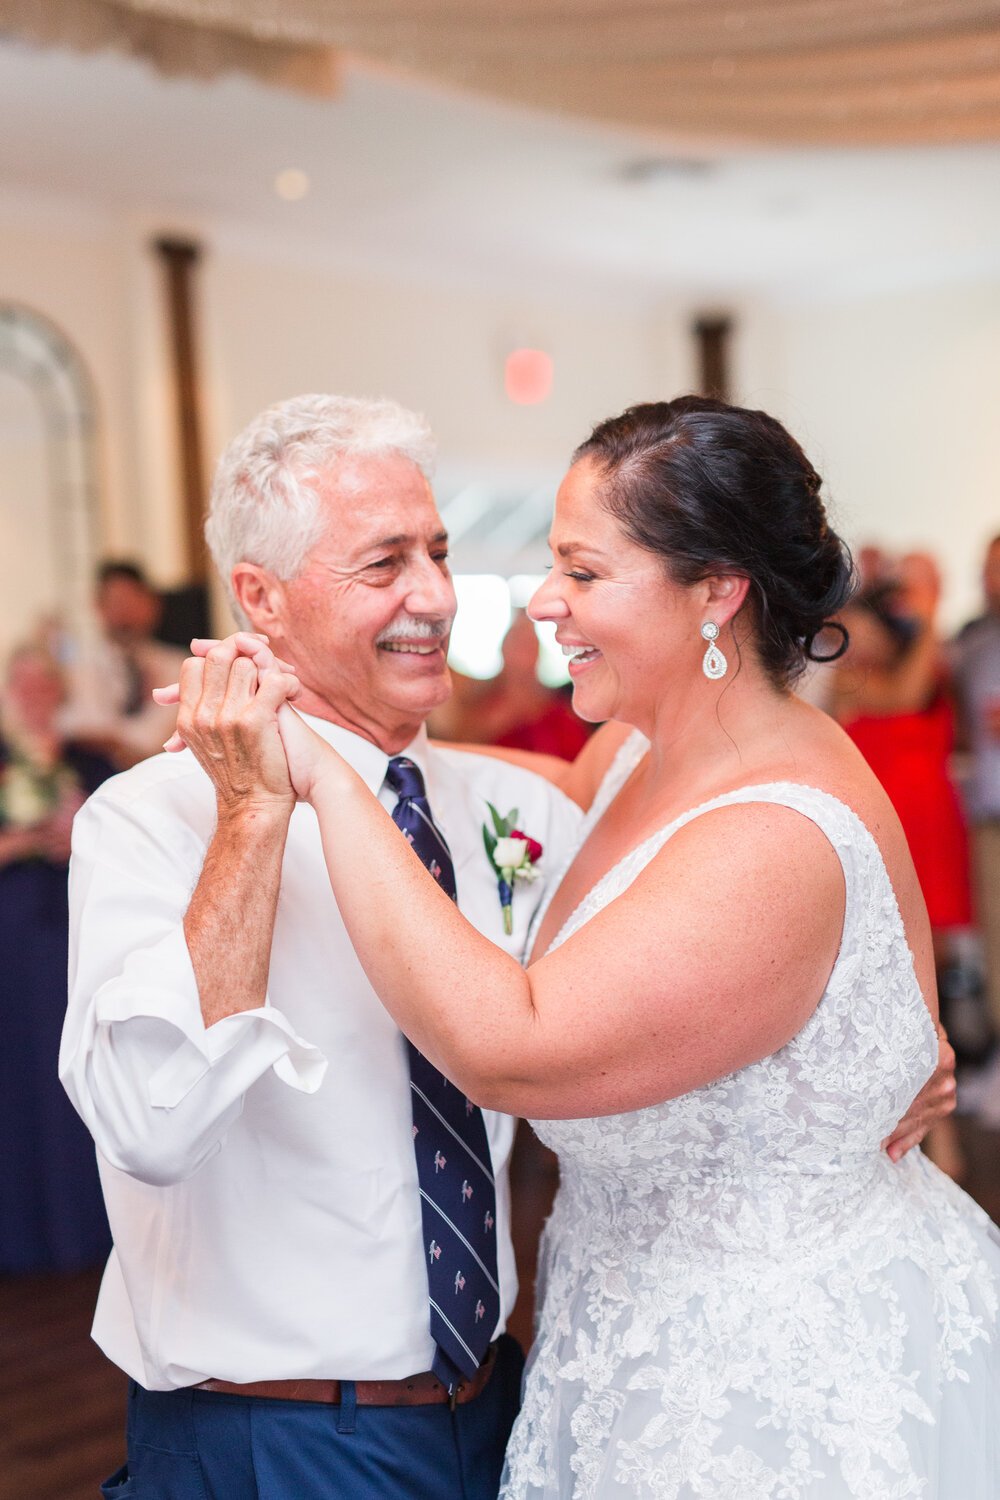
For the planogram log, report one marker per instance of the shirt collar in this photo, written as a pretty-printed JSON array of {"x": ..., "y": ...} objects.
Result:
[{"x": 362, "y": 756}]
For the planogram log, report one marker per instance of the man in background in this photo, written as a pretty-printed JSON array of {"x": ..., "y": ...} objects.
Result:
[
  {"x": 111, "y": 707},
  {"x": 976, "y": 664}
]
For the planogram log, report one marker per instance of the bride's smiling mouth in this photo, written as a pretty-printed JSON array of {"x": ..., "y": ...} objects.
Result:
[{"x": 580, "y": 656}]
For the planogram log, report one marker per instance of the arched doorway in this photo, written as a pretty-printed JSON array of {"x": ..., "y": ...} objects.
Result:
[{"x": 48, "y": 479}]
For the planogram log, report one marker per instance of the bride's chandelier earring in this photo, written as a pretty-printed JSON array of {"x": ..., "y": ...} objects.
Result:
[{"x": 713, "y": 663}]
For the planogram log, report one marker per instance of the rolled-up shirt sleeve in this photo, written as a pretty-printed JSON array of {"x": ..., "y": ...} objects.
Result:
[{"x": 156, "y": 1088}]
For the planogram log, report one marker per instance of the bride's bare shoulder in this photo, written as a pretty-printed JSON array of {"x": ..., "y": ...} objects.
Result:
[{"x": 829, "y": 760}]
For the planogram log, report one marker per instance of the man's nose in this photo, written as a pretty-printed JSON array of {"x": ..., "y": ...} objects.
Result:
[{"x": 430, "y": 591}]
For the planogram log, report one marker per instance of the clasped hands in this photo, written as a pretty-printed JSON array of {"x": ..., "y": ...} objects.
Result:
[{"x": 233, "y": 714}]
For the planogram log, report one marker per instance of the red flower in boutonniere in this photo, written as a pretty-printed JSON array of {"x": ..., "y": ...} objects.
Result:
[{"x": 534, "y": 847}]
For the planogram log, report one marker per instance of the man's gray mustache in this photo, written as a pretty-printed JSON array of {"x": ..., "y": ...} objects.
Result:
[{"x": 414, "y": 630}]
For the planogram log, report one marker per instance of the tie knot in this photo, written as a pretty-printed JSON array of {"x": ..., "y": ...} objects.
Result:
[{"x": 405, "y": 778}]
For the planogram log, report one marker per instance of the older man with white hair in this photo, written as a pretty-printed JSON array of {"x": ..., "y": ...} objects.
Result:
[{"x": 312, "y": 1264}]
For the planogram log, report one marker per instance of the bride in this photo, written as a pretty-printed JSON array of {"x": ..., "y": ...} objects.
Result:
[{"x": 729, "y": 1002}]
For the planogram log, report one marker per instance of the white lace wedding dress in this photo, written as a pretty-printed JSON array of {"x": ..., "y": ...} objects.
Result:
[{"x": 744, "y": 1299}]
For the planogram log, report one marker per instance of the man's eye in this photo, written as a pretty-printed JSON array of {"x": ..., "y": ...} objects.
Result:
[
  {"x": 581, "y": 577},
  {"x": 383, "y": 562},
  {"x": 441, "y": 557}
]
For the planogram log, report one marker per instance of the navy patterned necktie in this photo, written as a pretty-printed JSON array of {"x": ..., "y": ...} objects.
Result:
[{"x": 458, "y": 1202}]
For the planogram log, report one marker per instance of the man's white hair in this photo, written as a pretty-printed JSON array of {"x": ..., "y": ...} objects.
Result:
[{"x": 265, "y": 505}]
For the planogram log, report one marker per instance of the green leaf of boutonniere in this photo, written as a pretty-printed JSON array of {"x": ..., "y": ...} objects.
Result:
[{"x": 500, "y": 824}]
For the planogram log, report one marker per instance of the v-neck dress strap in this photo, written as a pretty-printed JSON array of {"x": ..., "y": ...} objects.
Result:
[{"x": 628, "y": 755}]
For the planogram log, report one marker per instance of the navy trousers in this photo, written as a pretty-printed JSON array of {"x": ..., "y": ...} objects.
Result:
[{"x": 199, "y": 1445}]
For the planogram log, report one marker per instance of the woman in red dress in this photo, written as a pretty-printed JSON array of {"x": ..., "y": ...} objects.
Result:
[{"x": 891, "y": 695}]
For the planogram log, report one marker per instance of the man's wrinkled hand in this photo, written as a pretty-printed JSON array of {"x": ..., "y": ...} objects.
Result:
[
  {"x": 228, "y": 703},
  {"x": 307, "y": 758},
  {"x": 933, "y": 1104}
]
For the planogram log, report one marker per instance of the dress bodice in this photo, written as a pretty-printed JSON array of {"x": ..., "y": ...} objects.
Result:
[{"x": 821, "y": 1105}]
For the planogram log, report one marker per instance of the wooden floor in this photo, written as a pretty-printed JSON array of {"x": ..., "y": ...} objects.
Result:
[{"x": 62, "y": 1404}]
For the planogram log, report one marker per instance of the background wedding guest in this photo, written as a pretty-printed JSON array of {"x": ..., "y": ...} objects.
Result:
[
  {"x": 818, "y": 683},
  {"x": 51, "y": 1212},
  {"x": 111, "y": 704},
  {"x": 976, "y": 659},
  {"x": 891, "y": 694}
]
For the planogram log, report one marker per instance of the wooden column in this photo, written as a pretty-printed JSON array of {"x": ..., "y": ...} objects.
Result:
[
  {"x": 712, "y": 336},
  {"x": 179, "y": 258}
]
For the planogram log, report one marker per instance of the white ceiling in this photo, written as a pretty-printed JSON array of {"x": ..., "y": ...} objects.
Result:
[{"x": 415, "y": 180}]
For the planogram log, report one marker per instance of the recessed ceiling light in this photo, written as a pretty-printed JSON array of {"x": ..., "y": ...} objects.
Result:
[{"x": 291, "y": 184}]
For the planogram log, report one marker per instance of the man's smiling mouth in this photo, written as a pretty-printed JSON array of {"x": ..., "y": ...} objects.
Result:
[{"x": 424, "y": 648}]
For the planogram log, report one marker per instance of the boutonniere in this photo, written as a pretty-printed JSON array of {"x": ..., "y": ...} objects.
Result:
[{"x": 512, "y": 854}]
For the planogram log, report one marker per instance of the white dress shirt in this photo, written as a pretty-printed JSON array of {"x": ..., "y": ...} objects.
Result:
[{"x": 259, "y": 1174}]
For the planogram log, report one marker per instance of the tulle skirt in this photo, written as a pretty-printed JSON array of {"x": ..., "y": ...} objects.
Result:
[{"x": 870, "y": 1376}]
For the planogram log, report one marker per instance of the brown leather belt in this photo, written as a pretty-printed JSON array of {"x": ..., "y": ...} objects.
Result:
[{"x": 415, "y": 1390}]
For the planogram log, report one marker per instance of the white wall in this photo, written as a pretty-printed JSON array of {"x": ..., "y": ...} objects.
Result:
[
  {"x": 277, "y": 330},
  {"x": 896, "y": 400}
]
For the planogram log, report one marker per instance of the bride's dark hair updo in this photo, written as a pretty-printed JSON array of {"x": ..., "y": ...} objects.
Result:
[{"x": 712, "y": 488}]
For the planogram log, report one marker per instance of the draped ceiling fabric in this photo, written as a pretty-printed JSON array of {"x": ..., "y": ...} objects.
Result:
[
  {"x": 833, "y": 72},
  {"x": 171, "y": 44}
]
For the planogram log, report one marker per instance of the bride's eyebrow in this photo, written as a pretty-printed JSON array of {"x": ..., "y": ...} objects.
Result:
[{"x": 568, "y": 549}]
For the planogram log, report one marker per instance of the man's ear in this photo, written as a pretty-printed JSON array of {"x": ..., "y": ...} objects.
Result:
[
  {"x": 261, "y": 596},
  {"x": 726, "y": 593}
]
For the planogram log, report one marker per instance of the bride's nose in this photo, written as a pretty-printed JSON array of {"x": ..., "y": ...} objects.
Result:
[{"x": 546, "y": 603}]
